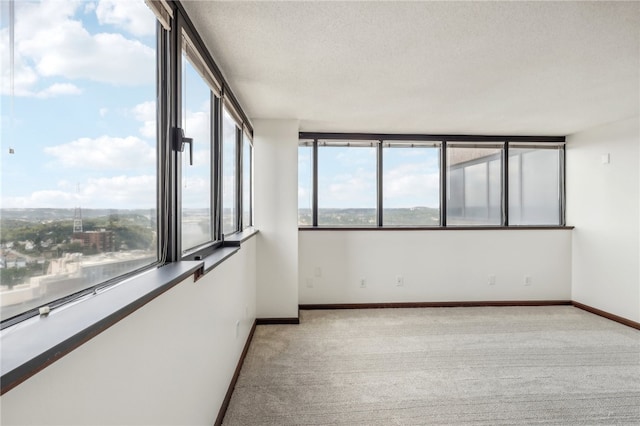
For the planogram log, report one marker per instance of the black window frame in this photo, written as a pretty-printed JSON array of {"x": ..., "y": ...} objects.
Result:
[
  {"x": 311, "y": 139},
  {"x": 172, "y": 21}
]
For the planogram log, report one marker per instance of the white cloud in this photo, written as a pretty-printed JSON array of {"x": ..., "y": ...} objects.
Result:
[
  {"x": 109, "y": 192},
  {"x": 197, "y": 126},
  {"x": 57, "y": 89},
  {"x": 49, "y": 42},
  {"x": 105, "y": 152},
  {"x": 196, "y": 192},
  {"x": 146, "y": 113},
  {"x": 132, "y": 16},
  {"x": 411, "y": 185},
  {"x": 355, "y": 189},
  {"x": 103, "y": 112},
  {"x": 121, "y": 191},
  {"x": 43, "y": 199}
]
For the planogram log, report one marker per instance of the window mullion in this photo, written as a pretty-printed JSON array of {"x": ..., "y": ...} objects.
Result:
[
  {"x": 314, "y": 203},
  {"x": 443, "y": 184},
  {"x": 505, "y": 184},
  {"x": 379, "y": 175}
]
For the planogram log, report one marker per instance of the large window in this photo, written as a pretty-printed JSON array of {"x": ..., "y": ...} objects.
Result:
[
  {"x": 474, "y": 184},
  {"x": 411, "y": 184},
  {"x": 305, "y": 183},
  {"x": 347, "y": 184},
  {"x": 396, "y": 182},
  {"x": 247, "y": 173},
  {"x": 534, "y": 185},
  {"x": 112, "y": 135},
  {"x": 79, "y": 150},
  {"x": 197, "y": 180},
  {"x": 230, "y": 133}
]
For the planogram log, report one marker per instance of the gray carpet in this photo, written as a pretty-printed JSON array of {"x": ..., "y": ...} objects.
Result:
[{"x": 491, "y": 366}]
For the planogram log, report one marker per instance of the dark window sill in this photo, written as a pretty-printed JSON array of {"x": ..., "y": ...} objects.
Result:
[
  {"x": 430, "y": 228},
  {"x": 33, "y": 344},
  {"x": 238, "y": 238}
]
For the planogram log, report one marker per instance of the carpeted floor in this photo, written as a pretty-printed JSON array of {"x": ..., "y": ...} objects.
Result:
[{"x": 492, "y": 366}]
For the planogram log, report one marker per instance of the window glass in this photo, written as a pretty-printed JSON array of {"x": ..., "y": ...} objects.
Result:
[
  {"x": 347, "y": 185},
  {"x": 534, "y": 186},
  {"x": 411, "y": 185},
  {"x": 474, "y": 185},
  {"x": 247, "y": 184},
  {"x": 305, "y": 184},
  {"x": 196, "y": 177},
  {"x": 78, "y": 163},
  {"x": 229, "y": 178}
]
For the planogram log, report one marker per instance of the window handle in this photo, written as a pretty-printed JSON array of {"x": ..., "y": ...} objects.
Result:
[{"x": 179, "y": 140}]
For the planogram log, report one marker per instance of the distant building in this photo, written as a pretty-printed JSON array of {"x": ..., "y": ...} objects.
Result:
[{"x": 102, "y": 241}]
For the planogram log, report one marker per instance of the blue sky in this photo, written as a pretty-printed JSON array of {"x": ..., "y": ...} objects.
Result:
[
  {"x": 347, "y": 177},
  {"x": 82, "y": 117}
]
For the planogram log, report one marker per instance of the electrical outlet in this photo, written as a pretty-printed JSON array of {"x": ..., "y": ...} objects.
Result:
[
  {"x": 492, "y": 280},
  {"x": 317, "y": 272},
  {"x": 399, "y": 280},
  {"x": 527, "y": 280},
  {"x": 363, "y": 283},
  {"x": 309, "y": 282}
]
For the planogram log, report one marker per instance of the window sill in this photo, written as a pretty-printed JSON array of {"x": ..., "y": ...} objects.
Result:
[
  {"x": 240, "y": 237},
  {"x": 31, "y": 345},
  {"x": 431, "y": 228}
]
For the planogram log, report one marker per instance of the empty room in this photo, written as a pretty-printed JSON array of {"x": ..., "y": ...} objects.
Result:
[{"x": 322, "y": 212}]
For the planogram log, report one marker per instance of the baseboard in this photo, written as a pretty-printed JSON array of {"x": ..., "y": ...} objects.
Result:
[
  {"x": 234, "y": 379},
  {"x": 607, "y": 315},
  {"x": 434, "y": 304},
  {"x": 275, "y": 321}
]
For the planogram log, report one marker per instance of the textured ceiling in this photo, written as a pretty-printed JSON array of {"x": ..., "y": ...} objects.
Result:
[{"x": 544, "y": 68}]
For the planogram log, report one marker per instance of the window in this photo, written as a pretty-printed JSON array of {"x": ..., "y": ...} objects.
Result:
[
  {"x": 347, "y": 183},
  {"x": 398, "y": 182},
  {"x": 247, "y": 187},
  {"x": 474, "y": 184},
  {"x": 305, "y": 183},
  {"x": 229, "y": 169},
  {"x": 534, "y": 185},
  {"x": 197, "y": 180},
  {"x": 98, "y": 181},
  {"x": 79, "y": 174},
  {"x": 411, "y": 184}
]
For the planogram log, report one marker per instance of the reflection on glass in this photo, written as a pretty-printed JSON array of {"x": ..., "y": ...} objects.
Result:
[
  {"x": 229, "y": 156},
  {"x": 247, "y": 152},
  {"x": 473, "y": 186},
  {"x": 411, "y": 185},
  {"x": 534, "y": 186},
  {"x": 196, "y": 178}
]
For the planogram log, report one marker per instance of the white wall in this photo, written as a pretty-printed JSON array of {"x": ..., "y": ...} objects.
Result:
[
  {"x": 603, "y": 204},
  {"x": 276, "y": 216},
  {"x": 437, "y": 266},
  {"x": 169, "y": 362}
]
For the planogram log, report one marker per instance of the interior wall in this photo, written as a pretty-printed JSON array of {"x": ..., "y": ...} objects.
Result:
[
  {"x": 603, "y": 203},
  {"x": 435, "y": 266},
  {"x": 276, "y": 216},
  {"x": 168, "y": 363}
]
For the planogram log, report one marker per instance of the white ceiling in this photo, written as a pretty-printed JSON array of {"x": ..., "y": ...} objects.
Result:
[{"x": 503, "y": 68}]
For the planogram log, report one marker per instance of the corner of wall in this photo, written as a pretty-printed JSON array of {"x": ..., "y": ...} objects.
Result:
[{"x": 276, "y": 216}]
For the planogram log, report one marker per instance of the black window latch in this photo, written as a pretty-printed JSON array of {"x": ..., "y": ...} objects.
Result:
[{"x": 179, "y": 140}]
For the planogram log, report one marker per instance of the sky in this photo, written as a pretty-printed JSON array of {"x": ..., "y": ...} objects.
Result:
[
  {"x": 80, "y": 115},
  {"x": 347, "y": 177},
  {"x": 80, "y": 118}
]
